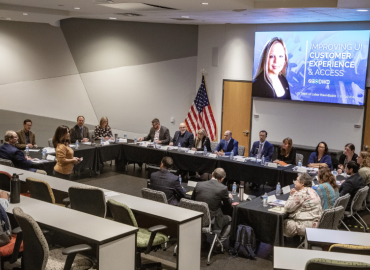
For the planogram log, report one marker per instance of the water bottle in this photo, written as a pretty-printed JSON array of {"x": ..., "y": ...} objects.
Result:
[
  {"x": 241, "y": 191},
  {"x": 180, "y": 180},
  {"x": 232, "y": 155},
  {"x": 44, "y": 153},
  {"x": 263, "y": 161},
  {"x": 135, "y": 140},
  {"x": 278, "y": 189},
  {"x": 155, "y": 144},
  {"x": 205, "y": 151},
  {"x": 27, "y": 150},
  {"x": 77, "y": 144},
  {"x": 265, "y": 198},
  {"x": 179, "y": 147},
  {"x": 15, "y": 189},
  {"x": 300, "y": 163},
  {"x": 335, "y": 173},
  {"x": 125, "y": 136},
  {"x": 101, "y": 140},
  {"x": 233, "y": 192}
]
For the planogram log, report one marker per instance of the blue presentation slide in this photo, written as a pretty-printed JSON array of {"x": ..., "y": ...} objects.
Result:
[{"x": 323, "y": 66}]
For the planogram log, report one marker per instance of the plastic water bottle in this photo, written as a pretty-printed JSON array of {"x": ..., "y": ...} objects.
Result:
[
  {"x": 233, "y": 192},
  {"x": 77, "y": 144},
  {"x": 265, "y": 198},
  {"x": 44, "y": 153},
  {"x": 300, "y": 163},
  {"x": 101, "y": 140},
  {"x": 27, "y": 150},
  {"x": 135, "y": 140},
  {"x": 232, "y": 155},
  {"x": 205, "y": 151},
  {"x": 178, "y": 148},
  {"x": 278, "y": 189},
  {"x": 125, "y": 136},
  {"x": 155, "y": 144},
  {"x": 335, "y": 173},
  {"x": 180, "y": 180},
  {"x": 263, "y": 161}
]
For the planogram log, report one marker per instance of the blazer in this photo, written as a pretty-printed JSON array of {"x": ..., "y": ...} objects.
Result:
[
  {"x": 267, "y": 151},
  {"x": 22, "y": 139},
  {"x": 76, "y": 133},
  {"x": 342, "y": 159},
  {"x": 290, "y": 159},
  {"x": 169, "y": 183},
  {"x": 214, "y": 194},
  {"x": 232, "y": 146},
  {"x": 262, "y": 88},
  {"x": 205, "y": 142},
  {"x": 8, "y": 151},
  {"x": 325, "y": 159},
  {"x": 164, "y": 135},
  {"x": 186, "y": 140},
  {"x": 351, "y": 186}
]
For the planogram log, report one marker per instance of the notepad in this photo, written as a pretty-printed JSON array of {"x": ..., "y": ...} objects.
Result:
[
  {"x": 280, "y": 210},
  {"x": 34, "y": 150},
  {"x": 192, "y": 183},
  {"x": 189, "y": 192}
]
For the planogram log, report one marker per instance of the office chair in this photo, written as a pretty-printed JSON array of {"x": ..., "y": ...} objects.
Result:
[
  {"x": 328, "y": 264},
  {"x": 6, "y": 162},
  {"x": 154, "y": 195},
  {"x": 357, "y": 205},
  {"x": 343, "y": 201},
  {"x": 352, "y": 249},
  {"x": 41, "y": 190},
  {"x": 89, "y": 200}
]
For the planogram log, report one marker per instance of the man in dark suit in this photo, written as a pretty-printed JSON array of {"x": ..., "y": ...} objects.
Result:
[
  {"x": 353, "y": 183},
  {"x": 182, "y": 137},
  {"x": 227, "y": 145},
  {"x": 79, "y": 131},
  {"x": 167, "y": 182},
  {"x": 215, "y": 194},
  {"x": 262, "y": 147},
  {"x": 157, "y": 133},
  {"x": 10, "y": 152},
  {"x": 26, "y": 136}
]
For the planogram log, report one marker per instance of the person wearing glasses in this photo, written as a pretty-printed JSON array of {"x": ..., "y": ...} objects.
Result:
[{"x": 320, "y": 158}]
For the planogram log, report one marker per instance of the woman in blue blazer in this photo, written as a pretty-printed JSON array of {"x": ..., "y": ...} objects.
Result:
[{"x": 320, "y": 158}]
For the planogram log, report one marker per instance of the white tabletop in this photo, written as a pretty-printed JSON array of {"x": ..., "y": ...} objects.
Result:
[
  {"x": 296, "y": 259},
  {"x": 337, "y": 237},
  {"x": 94, "y": 228}
]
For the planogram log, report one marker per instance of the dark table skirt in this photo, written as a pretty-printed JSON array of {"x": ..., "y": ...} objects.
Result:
[{"x": 192, "y": 162}]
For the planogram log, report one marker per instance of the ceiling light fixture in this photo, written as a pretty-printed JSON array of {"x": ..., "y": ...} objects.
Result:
[
  {"x": 362, "y": 10},
  {"x": 204, "y": 3},
  {"x": 77, "y": 8},
  {"x": 25, "y": 14},
  {"x": 112, "y": 18},
  {"x": 185, "y": 17}
]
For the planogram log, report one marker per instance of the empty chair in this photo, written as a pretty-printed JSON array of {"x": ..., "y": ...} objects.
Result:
[
  {"x": 36, "y": 253},
  {"x": 357, "y": 205},
  {"x": 50, "y": 143},
  {"x": 343, "y": 201},
  {"x": 154, "y": 195},
  {"x": 147, "y": 239},
  {"x": 5, "y": 181},
  {"x": 40, "y": 190},
  {"x": 88, "y": 200},
  {"x": 241, "y": 150},
  {"x": 330, "y": 218},
  {"x": 206, "y": 221},
  {"x": 298, "y": 157},
  {"x": 6, "y": 162},
  {"x": 352, "y": 249},
  {"x": 329, "y": 264},
  {"x": 367, "y": 201}
]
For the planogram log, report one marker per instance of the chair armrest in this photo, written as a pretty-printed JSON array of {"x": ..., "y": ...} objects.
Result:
[
  {"x": 17, "y": 245},
  {"x": 76, "y": 249},
  {"x": 157, "y": 228},
  {"x": 17, "y": 230}
]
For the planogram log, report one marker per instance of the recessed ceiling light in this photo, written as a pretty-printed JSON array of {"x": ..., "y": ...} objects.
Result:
[
  {"x": 185, "y": 17},
  {"x": 204, "y": 3},
  {"x": 77, "y": 8},
  {"x": 112, "y": 18},
  {"x": 362, "y": 10},
  {"x": 8, "y": 19},
  {"x": 25, "y": 14}
]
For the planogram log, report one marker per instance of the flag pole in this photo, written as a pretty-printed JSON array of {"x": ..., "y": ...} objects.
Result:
[{"x": 205, "y": 84}]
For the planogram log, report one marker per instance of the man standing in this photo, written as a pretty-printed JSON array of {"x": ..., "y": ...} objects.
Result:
[
  {"x": 214, "y": 193},
  {"x": 10, "y": 152},
  {"x": 26, "y": 136},
  {"x": 167, "y": 182},
  {"x": 182, "y": 137},
  {"x": 79, "y": 131},
  {"x": 157, "y": 133},
  {"x": 353, "y": 183},
  {"x": 227, "y": 145},
  {"x": 262, "y": 147}
]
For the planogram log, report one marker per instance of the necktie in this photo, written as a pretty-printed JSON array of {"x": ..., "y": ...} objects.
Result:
[
  {"x": 82, "y": 132},
  {"x": 259, "y": 151}
]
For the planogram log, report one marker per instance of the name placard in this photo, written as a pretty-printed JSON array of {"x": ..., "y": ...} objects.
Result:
[
  {"x": 211, "y": 155},
  {"x": 272, "y": 165},
  {"x": 105, "y": 143},
  {"x": 286, "y": 189},
  {"x": 122, "y": 140},
  {"x": 271, "y": 198},
  {"x": 301, "y": 169},
  {"x": 190, "y": 152},
  {"x": 50, "y": 157}
]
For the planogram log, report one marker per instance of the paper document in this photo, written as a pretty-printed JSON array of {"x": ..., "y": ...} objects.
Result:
[
  {"x": 280, "y": 210},
  {"x": 189, "y": 192},
  {"x": 192, "y": 183},
  {"x": 87, "y": 143},
  {"x": 50, "y": 158},
  {"x": 280, "y": 203},
  {"x": 50, "y": 150},
  {"x": 34, "y": 150},
  {"x": 286, "y": 189},
  {"x": 271, "y": 198}
]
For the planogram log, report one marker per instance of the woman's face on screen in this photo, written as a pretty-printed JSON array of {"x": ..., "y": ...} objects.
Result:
[{"x": 276, "y": 59}]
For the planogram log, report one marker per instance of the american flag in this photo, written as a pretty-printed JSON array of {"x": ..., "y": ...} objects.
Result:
[{"x": 200, "y": 114}]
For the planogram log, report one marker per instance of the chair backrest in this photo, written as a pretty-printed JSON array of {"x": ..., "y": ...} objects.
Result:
[
  {"x": 35, "y": 246},
  {"x": 91, "y": 134},
  {"x": 213, "y": 146},
  {"x": 298, "y": 157},
  {"x": 359, "y": 198},
  {"x": 50, "y": 143},
  {"x": 88, "y": 200},
  {"x": 241, "y": 150},
  {"x": 328, "y": 264},
  {"x": 199, "y": 207},
  {"x": 6, "y": 162},
  {"x": 122, "y": 213},
  {"x": 330, "y": 218},
  {"x": 368, "y": 197},
  {"x": 5, "y": 181},
  {"x": 352, "y": 249},
  {"x": 40, "y": 190},
  {"x": 343, "y": 201},
  {"x": 154, "y": 195}
]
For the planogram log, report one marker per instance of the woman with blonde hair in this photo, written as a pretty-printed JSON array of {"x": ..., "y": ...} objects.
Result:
[
  {"x": 201, "y": 140},
  {"x": 287, "y": 152},
  {"x": 103, "y": 130},
  {"x": 363, "y": 159}
]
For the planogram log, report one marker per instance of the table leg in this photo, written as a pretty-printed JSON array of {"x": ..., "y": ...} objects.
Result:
[{"x": 188, "y": 252}]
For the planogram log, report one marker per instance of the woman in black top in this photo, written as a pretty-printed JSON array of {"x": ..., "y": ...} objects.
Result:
[
  {"x": 347, "y": 156},
  {"x": 201, "y": 140},
  {"x": 287, "y": 152}
]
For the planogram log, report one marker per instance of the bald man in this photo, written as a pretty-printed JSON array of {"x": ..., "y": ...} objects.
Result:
[
  {"x": 182, "y": 137},
  {"x": 227, "y": 145}
]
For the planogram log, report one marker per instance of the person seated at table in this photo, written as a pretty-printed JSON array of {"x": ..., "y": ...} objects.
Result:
[
  {"x": 201, "y": 140},
  {"x": 353, "y": 183},
  {"x": 4, "y": 199},
  {"x": 103, "y": 130},
  {"x": 215, "y": 194},
  {"x": 157, "y": 133},
  {"x": 79, "y": 131},
  {"x": 363, "y": 159},
  {"x": 10, "y": 152},
  {"x": 348, "y": 155},
  {"x": 328, "y": 189},
  {"x": 182, "y": 137},
  {"x": 227, "y": 145},
  {"x": 26, "y": 136},
  {"x": 320, "y": 158},
  {"x": 262, "y": 147},
  {"x": 303, "y": 206},
  {"x": 63, "y": 153},
  {"x": 287, "y": 152},
  {"x": 167, "y": 182}
]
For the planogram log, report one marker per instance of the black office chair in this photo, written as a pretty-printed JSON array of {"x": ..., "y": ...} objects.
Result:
[
  {"x": 88, "y": 200},
  {"x": 6, "y": 162}
]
